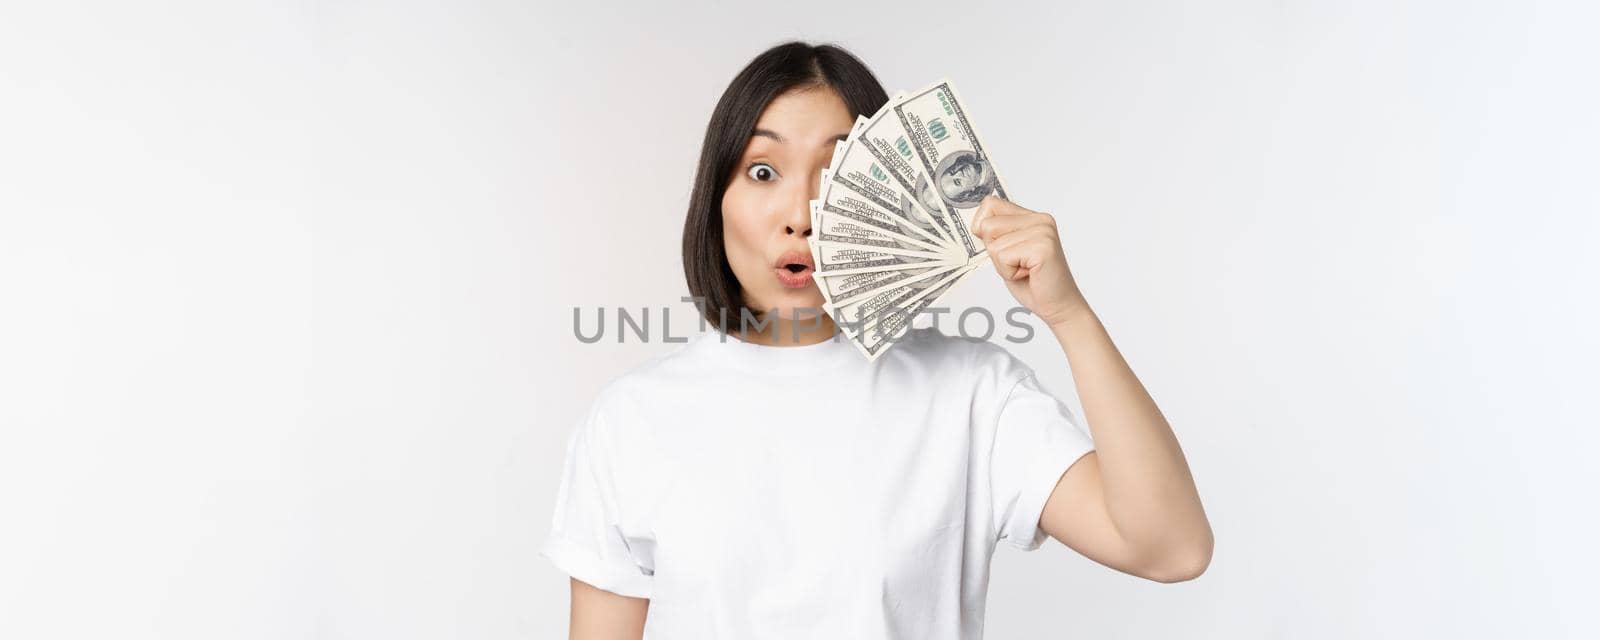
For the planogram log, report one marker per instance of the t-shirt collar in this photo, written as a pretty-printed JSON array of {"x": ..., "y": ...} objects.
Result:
[{"x": 778, "y": 360}]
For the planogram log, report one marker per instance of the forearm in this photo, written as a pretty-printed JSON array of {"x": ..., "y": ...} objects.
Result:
[{"x": 1150, "y": 495}]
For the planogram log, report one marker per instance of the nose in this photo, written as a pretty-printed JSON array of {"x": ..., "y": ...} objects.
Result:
[
  {"x": 797, "y": 216},
  {"x": 801, "y": 229}
]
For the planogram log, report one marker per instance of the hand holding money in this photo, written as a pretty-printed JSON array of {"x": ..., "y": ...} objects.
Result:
[
  {"x": 1026, "y": 250},
  {"x": 895, "y": 216}
]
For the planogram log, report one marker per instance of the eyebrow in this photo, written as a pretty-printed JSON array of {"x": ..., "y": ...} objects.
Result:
[{"x": 768, "y": 133}]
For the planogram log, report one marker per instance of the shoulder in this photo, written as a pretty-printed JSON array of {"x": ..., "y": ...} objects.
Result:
[
  {"x": 974, "y": 361},
  {"x": 646, "y": 386}
]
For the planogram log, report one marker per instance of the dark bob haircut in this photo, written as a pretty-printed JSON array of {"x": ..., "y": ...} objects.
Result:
[{"x": 790, "y": 65}]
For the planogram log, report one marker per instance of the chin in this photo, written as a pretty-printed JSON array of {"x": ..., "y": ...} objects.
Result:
[{"x": 807, "y": 303}]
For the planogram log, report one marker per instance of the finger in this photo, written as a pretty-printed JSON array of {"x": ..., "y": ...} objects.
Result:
[
  {"x": 998, "y": 205},
  {"x": 987, "y": 208},
  {"x": 995, "y": 226},
  {"x": 1014, "y": 255},
  {"x": 1005, "y": 265}
]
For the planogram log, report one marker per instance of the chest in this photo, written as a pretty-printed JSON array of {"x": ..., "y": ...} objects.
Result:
[{"x": 815, "y": 505}]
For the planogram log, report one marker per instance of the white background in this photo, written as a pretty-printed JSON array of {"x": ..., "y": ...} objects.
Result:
[{"x": 286, "y": 296}]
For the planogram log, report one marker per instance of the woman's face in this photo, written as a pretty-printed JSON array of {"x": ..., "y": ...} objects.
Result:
[{"x": 765, "y": 209}]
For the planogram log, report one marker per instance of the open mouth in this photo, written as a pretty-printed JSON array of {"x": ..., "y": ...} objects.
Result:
[
  {"x": 794, "y": 275},
  {"x": 794, "y": 269}
]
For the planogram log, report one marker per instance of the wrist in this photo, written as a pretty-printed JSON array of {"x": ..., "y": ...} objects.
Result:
[{"x": 1075, "y": 315}]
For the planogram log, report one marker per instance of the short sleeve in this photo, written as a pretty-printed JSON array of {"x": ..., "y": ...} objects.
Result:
[
  {"x": 586, "y": 540},
  {"x": 1036, "y": 440}
]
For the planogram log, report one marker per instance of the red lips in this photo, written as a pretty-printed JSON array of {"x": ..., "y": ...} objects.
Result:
[{"x": 794, "y": 268}]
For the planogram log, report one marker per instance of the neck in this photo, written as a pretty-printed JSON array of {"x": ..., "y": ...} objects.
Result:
[{"x": 780, "y": 331}]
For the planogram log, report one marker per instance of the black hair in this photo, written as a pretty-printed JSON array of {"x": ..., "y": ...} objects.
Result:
[{"x": 787, "y": 66}]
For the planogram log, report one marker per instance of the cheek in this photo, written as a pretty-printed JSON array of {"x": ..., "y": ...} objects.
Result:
[{"x": 741, "y": 225}]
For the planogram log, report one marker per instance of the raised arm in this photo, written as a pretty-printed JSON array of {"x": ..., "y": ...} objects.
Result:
[{"x": 1131, "y": 504}]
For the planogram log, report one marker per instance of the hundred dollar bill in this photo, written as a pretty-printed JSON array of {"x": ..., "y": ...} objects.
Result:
[
  {"x": 838, "y": 196},
  {"x": 888, "y": 145},
  {"x": 894, "y": 327},
  {"x": 959, "y": 170},
  {"x": 847, "y": 289},
  {"x": 874, "y": 335},
  {"x": 866, "y": 225},
  {"x": 858, "y": 175},
  {"x": 855, "y": 314},
  {"x": 834, "y": 259},
  {"x": 893, "y": 250}
]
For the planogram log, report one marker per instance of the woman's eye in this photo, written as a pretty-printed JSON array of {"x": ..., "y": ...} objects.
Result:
[{"x": 761, "y": 172}]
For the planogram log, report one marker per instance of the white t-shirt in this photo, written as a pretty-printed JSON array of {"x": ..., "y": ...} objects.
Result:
[{"x": 801, "y": 492}]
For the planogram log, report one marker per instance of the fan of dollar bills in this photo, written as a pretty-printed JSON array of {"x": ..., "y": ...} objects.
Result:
[{"x": 891, "y": 223}]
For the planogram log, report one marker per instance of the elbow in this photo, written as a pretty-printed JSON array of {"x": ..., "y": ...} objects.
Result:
[
  {"x": 1184, "y": 564},
  {"x": 1182, "y": 570}
]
